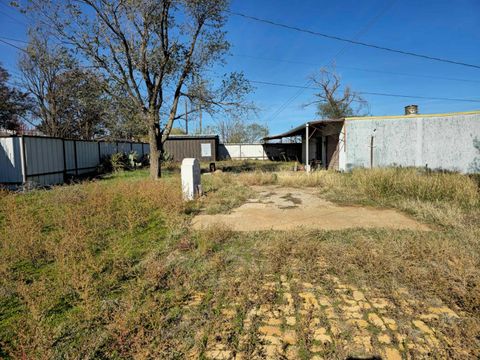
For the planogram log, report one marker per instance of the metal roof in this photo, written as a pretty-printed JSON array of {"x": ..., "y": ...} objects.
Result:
[
  {"x": 300, "y": 130},
  {"x": 200, "y": 136}
]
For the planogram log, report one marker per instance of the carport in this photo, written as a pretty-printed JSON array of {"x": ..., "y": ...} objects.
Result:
[{"x": 320, "y": 142}]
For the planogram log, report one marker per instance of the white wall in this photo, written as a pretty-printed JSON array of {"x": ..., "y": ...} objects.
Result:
[
  {"x": 242, "y": 151},
  {"x": 437, "y": 142}
]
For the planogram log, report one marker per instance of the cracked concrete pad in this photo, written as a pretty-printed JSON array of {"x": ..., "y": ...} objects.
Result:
[{"x": 278, "y": 208}]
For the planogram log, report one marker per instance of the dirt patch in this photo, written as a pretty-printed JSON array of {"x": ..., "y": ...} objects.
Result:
[{"x": 276, "y": 208}]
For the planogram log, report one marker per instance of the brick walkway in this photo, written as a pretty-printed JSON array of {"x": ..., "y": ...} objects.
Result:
[{"x": 333, "y": 320}]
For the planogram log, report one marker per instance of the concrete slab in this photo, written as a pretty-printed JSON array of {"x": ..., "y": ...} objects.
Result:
[{"x": 277, "y": 208}]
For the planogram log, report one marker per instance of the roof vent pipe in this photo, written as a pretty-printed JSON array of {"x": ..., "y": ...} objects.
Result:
[{"x": 411, "y": 110}]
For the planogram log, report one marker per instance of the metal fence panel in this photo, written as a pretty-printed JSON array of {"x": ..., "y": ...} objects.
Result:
[
  {"x": 43, "y": 156},
  {"x": 138, "y": 149},
  {"x": 10, "y": 160},
  {"x": 70, "y": 156},
  {"x": 47, "y": 160},
  {"x": 87, "y": 156},
  {"x": 107, "y": 148},
  {"x": 124, "y": 147}
]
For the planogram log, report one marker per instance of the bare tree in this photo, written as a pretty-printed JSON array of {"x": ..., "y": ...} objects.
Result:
[
  {"x": 236, "y": 130},
  {"x": 156, "y": 51},
  {"x": 335, "y": 101}
]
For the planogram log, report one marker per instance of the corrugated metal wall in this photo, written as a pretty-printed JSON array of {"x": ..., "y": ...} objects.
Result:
[
  {"x": 10, "y": 160},
  {"x": 201, "y": 148},
  {"x": 47, "y": 160},
  {"x": 44, "y": 162}
]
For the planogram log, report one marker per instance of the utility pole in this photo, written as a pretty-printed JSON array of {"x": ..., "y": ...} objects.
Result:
[
  {"x": 200, "y": 114},
  {"x": 186, "y": 117}
]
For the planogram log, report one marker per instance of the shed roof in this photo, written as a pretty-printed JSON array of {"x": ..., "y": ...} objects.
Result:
[
  {"x": 300, "y": 130},
  {"x": 187, "y": 137}
]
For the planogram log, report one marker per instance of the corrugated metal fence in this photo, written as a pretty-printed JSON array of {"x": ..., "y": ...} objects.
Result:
[
  {"x": 242, "y": 151},
  {"x": 49, "y": 161}
]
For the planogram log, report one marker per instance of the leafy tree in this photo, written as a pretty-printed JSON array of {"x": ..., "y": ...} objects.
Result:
[
  {"x": 177, "y": 131},
  {"x": 334, "y": 102},
  {"x": 68, "y": 100},
  {"x": 256, "y": 132},
  {"x": 155, "y": 51},
  {"x": 14, "y": 104}
]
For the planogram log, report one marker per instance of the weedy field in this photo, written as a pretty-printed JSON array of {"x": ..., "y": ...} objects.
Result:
[{"x": 112, "y": 269}]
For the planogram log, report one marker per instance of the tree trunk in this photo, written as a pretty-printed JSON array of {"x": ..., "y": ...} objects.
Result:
[{"x": 154, "y": 138}]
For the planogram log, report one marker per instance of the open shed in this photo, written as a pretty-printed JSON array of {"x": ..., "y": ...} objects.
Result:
[{"x": 320, "y": 142}]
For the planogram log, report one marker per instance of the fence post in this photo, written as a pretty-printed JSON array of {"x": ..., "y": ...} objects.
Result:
[
  {"x": 64, "y": 162},
  {"x": 99, "y": 153},
  {"x": 24, "y": 160},
  {"x": 75, "y": 155}
]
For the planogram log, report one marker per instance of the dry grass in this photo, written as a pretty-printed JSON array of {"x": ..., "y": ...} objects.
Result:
[
  {"x": 379, "y": 184},
  {"x": 105, "y": 269}
]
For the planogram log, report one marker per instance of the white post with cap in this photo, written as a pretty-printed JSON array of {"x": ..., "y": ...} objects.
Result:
[{"x": 191, "y": 181}]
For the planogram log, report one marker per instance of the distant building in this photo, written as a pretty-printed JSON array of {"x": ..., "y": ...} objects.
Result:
[
  {"x": 435, "y": 141},
  {"x": 201, "y": 147}
]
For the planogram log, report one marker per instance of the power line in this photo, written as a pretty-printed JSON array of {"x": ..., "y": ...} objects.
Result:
[
  {"x": 365, "y": 92},
  {"x": 362, "y": 31},
  {"x": 16, "y": 40},
  {"x": 12, "y": 45},
  {"x": 359, "y": 69},
  {"x": 355, "y": 42}
]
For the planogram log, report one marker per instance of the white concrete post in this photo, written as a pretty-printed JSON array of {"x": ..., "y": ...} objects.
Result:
[
  {"x": 307, "y": 150},
  {"x": 191, "y": 183}
]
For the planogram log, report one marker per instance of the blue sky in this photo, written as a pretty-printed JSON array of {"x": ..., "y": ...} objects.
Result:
[{"x": 441, "y": 28}]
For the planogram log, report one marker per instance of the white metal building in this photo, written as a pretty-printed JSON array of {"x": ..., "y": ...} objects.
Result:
[{"x": 435, "y": 141}]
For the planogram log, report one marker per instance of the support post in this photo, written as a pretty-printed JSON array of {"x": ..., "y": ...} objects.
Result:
[
  {"x": 371, "y": 152},
  {"x": 186, "y": 117},
  {"x": 24, "y": 159},
  {"x": 75, "y": 155},
  {"x": 307, "y": 145},
  {"x": 64, "y": 162}
]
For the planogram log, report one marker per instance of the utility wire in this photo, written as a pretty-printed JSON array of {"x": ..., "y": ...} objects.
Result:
[
  {"x": 359, "y": 69},
  {"x": 12, "y": 45},
  {"x": 361, "y": 32},
  {"x": 355, "y": 42},
  {"x": 364, "y": 92},
  {"x": 16, "y": 40}
]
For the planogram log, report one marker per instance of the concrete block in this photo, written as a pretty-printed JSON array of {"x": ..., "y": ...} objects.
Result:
[{"x": 191, "y": 182}]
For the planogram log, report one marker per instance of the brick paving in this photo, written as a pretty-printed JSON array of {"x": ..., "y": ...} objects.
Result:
[{"x": 333, "y": 320}]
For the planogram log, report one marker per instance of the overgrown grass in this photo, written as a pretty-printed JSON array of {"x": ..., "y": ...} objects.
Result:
[
  {"x": 393, "y": 183},
  {"x": 104, "y": 269}
]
